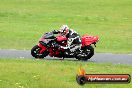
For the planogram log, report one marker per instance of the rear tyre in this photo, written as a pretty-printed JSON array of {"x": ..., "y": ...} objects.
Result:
[
  {"x": 89, "y": 51},
  {"x": 35, "y": 52}
]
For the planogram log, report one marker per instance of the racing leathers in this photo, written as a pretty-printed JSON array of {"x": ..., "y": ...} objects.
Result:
[{"x": 73, "y": 42}]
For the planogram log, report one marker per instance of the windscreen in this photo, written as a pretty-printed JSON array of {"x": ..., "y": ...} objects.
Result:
[{"x": 48, "y": 35}]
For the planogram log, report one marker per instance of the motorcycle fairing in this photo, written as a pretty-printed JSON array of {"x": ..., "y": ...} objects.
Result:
[{"x": 88, "y": 40}]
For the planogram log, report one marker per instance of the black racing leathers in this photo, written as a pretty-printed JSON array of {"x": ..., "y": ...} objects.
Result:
[{"x": 73, "y": 42}]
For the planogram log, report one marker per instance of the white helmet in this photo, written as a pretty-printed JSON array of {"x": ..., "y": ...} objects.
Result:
[{"x": 64, "y": 29}]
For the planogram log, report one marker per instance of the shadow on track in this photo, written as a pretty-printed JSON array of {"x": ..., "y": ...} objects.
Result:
[{"x": 66, "y": 59}]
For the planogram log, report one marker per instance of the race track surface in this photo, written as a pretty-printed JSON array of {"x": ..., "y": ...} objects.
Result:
[{"x": 98, "y": 57}]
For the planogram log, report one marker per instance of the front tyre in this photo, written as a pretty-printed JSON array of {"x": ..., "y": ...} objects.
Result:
[{"x": 35, "y": 52}]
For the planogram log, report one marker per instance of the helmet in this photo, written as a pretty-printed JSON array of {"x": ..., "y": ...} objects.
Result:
[{"x": 64, "y": 30}]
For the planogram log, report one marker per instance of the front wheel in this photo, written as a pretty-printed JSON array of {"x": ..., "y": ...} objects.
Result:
[{"x": 35, "y": 52}]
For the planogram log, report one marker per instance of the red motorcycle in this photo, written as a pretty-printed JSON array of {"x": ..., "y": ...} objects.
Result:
[{"x": 48, "y": 46}]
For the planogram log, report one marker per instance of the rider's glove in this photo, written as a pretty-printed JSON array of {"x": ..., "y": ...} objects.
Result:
[
  {"x": 55, "y": 32},
  {"x": 57, "y": 46}
]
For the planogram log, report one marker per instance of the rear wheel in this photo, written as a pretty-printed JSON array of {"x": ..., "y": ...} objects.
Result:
[
  {"x": 87, "y": 53},
  {"x": 35, "y": 52}
]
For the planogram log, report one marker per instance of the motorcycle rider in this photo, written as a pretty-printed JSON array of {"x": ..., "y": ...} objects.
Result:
[{"x": 74, "y": 40}]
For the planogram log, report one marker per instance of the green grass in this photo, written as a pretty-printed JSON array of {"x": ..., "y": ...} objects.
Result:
[
  {"x": 27, "y": 73},
  {"x": 22, "y": 22}
]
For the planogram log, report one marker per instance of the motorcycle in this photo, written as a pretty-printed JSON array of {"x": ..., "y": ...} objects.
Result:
[{"x": 48, "y": 45}]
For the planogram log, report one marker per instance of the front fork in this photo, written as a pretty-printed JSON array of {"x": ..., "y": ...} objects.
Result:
[{"x": 43, "y": 48}]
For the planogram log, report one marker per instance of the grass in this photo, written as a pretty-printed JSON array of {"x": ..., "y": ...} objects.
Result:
[
  {"x": 22, "y": 22},
  {"x": 27, "y": 73}
]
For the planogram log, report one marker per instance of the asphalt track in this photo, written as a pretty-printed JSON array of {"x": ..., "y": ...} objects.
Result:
[{"x": 98, "y": 57}]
